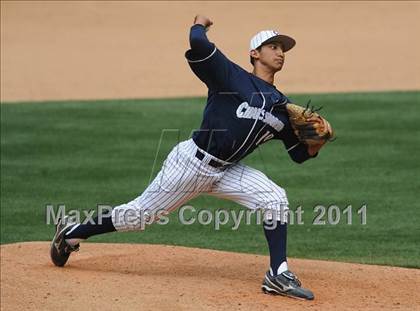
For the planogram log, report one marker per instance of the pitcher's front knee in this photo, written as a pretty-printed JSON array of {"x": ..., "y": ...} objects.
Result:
[
  {"x": 276, "y": 207},
  {"x": 276, "y": 212}
]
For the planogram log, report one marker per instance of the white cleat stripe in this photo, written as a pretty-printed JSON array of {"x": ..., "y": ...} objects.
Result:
[
  {"x": 71, "y": 228},
  {"x": 273, "y": 285}
]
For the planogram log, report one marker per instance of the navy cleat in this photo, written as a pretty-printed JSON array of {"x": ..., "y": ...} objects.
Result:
[
  {"x": 60, "y": 249},
  {"x": 285, "y": 284}
]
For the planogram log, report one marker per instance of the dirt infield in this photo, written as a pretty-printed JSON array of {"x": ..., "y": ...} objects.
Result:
[
  {"x": 91, "y": 50},
  {"x": 150, "y": 277}
]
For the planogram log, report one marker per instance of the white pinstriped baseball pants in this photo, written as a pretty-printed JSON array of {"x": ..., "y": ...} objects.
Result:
[{"x": 184, "y": 177}]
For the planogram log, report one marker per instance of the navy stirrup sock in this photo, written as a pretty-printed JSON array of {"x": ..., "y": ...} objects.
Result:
[
  {"x": 277, "y": 241},
  {"x": 85, "y": 231}
]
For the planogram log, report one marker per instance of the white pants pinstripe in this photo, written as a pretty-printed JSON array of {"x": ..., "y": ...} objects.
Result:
[{"x": 183, "y": 177}]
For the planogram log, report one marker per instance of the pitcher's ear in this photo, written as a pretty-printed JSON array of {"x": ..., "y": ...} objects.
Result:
[{"x": 254, "y": 54}]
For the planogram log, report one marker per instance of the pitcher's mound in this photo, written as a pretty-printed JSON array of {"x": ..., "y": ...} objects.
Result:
[{"x": 152, "y": 277}]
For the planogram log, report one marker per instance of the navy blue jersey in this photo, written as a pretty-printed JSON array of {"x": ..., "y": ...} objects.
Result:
[{"x": 242, "y": 110}]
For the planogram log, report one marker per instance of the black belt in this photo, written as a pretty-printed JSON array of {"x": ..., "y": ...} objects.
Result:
[{"x": 199, "y": 155}]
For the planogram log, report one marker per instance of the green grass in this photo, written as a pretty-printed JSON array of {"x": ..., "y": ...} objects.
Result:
[{"x": 86, "y": 153}]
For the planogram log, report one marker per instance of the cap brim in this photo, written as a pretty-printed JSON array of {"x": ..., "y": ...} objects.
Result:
[{"x": 286, "y": 42}]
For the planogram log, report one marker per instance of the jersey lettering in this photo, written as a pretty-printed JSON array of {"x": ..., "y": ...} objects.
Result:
[{"x": 245, "y": 111}]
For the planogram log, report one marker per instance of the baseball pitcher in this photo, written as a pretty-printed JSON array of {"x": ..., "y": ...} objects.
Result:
[{"x": 244, "y": 110}]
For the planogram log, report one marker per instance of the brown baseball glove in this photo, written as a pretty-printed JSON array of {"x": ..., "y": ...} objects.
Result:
[{"x": 309, "y": 127}]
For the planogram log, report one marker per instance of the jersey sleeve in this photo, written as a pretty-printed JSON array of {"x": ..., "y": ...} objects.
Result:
[{"x": 207, "y": 62}]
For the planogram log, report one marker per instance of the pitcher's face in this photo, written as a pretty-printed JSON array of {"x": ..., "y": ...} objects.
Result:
[{"x": 272, "y": 55}]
